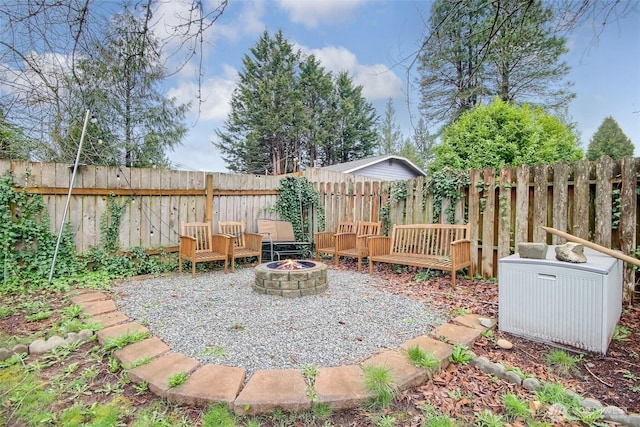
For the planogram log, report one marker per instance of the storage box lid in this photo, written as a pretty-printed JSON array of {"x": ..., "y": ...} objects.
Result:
[{"x": 597, "y": 262}]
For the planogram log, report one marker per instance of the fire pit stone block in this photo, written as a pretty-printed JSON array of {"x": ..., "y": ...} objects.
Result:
[{"x": 310, "y": 279}]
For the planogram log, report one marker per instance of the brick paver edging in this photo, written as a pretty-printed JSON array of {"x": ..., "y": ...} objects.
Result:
[{"x": 340, "y": 387}]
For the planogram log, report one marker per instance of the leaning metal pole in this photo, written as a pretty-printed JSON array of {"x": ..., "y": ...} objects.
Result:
[{"x": 66, "y": 207}]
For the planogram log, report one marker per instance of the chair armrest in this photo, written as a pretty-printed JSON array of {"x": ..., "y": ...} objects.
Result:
[
  {"x": 345, "y": 241},
  {"x": 221, "y": 243},
  {"x": 379, "y": 245},
  {"x": 253, "y": 241},
  {"x": 324, "y": 239},
  {"x": 187, "y": 246},
  {"x": 362, "y": 242}
]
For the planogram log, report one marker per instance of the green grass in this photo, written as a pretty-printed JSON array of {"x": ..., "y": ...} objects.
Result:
[
  {"x": 418, "y": 357},
  {"x": 563, "y": 363},
  {"x": 178, "y": 379},
  {"x": 116, "y": 343},
  {"x": 514, "y": 407},
  {"x": 378, "y": 380},
  {"x": 486, "y": 418},
  {"x": 218, "y": 415}
]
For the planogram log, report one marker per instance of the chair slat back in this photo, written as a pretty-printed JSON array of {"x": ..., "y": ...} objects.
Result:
[
  {"x": 234, "y": 229},
  {"x": 201, "y": 232},
  {"x": 368, "y": 228},
  {"x": 347, "y": 227}
]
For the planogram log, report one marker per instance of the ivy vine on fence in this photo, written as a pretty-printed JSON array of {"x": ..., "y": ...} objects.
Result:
[
  {"x": 447, "y": 184},
  {"x": 397, "y": 193},
  {"x": 295, "y": 203}
]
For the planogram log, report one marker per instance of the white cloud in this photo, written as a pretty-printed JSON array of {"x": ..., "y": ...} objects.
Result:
[
  {"x": 313, "y": 12},
  {"x": 247, "y": 22},
  {"x": 377, "y": 81},
  {"x": 172, "y": 19},
  {"x": 216, "y": 95}
]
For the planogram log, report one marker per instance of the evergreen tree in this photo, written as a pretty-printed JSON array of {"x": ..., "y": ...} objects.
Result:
[
  {"x": 355, "y": 132},
  {"x": 287, "y": 113},
  {"x": 390, "y": 135},
  {"x": 609, "y": 140}
]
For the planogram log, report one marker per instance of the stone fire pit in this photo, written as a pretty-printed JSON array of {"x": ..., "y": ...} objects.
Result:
[{"x": 291, "y": 278}]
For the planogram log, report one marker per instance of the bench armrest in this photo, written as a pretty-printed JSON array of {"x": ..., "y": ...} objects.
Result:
[
  {"x": 379, "y": 245},
  {"x": 460, "y": 251},
  {"x": 187, "y": 246}
]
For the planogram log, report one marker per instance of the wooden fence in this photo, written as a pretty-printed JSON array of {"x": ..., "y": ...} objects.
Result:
[{"x": 593, "y": 200}]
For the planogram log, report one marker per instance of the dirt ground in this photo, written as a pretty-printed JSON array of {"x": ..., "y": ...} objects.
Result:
[{"x": 459, "y": 391}]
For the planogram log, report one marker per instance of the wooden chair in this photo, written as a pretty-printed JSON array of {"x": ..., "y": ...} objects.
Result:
[
  {"x": 355, "y": 245},
  {"x": 198, "y": 244},
  {"x": 244, "y": 245},
  {"x": 325, "y": 241}
]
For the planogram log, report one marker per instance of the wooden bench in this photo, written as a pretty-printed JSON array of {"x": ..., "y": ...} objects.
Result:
[{"x": 438, "y": 246}]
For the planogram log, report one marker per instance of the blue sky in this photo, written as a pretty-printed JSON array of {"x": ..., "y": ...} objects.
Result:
[{"x": 374, "y": 41}]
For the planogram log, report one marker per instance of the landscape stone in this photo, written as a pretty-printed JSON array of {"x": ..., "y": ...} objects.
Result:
[
  {"x": 633, "y": 420},
  {"x": 110, "y": 319},
  {"x": 440, "y": 350},
  {"x": 341, "y": 387},
  {"x": 405, "y": 374},
  {"x": 512, "y": 377},
  {"x": 210, "y": 383},
  {"x": 532, "y": 384},
  {"x": 612, "y": 410},
  {"x": 55, "y": 341},
  {"x": 504, "y": 344},
  {"x": 487, "y": 323},
  {"x": 571, "y": 252},
  {"x": 591, "y": 403},
  {"x": 39, "y": 346},
  {"x": 496, "y": 369},
  {"x": 85, "y": 334},
  {"x": 456, "y": 334},
  {"x": 481, "y": 363},
  {"x": 71, "y": 338},
  {"x": 271, "y": 389},
  {"x": 532, "y": 250},
  {"x": 4, "y": 354},
  {"x": 158, "y": 371},
  {"x": 149, "y": 347},
  {"x": 20, "y": 348}
]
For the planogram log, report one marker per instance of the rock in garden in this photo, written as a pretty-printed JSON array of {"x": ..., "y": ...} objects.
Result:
[
  {"x": 532, "y": 384},
  {"x": 85, "y": 334},
  {"x": 590, "y": 403},
  {"x": 502, "y": 343},
  {"x": 20, "y": 348},
  {"x": 39, "y": 346},
  {"x": 55, "y": 341},
  {"x": 571, "y": 252},
  {"x": 532, "y": 250},
  {"x": 487, "y": 323},
  {"x": 71, "y": 338},
  {"x": 4, "y": 354}
]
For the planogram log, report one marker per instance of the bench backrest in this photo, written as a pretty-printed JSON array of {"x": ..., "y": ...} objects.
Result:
[
  {"x": 347, "y": 227},
  {"x": 277, "y": 231},
  {"x": 426, "y": 239}
]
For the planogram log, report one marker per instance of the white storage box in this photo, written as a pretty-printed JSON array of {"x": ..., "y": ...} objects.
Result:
[{"x": 562, "y": 303}]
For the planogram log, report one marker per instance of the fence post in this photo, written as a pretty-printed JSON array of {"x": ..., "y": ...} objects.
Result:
[{"x": 208, "y": 216}]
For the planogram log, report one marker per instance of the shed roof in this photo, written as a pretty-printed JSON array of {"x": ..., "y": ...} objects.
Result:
[{"x": 354, "y": 166}]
